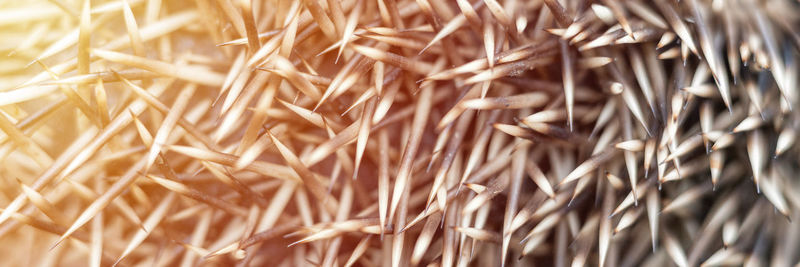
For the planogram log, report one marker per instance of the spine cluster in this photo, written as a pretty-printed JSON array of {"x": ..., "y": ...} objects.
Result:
[{"x": 399, "y": 133}]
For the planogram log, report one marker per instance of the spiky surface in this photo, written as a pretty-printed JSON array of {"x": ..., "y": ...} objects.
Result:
[{"x": 395, "y": 133}]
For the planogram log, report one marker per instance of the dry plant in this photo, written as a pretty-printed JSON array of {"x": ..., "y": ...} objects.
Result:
[{"x": 399, "y": 133}]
